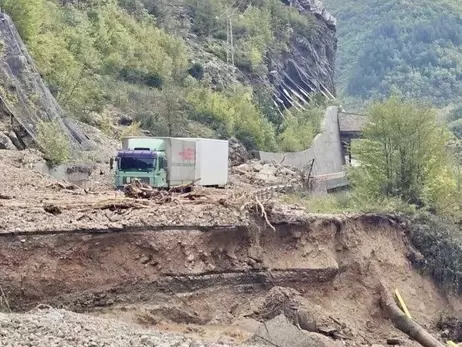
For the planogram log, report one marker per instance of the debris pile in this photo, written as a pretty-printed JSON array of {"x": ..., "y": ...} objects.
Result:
[
  {"x": 237, "y": 153},
  {"x": 300, "y": 312},
  {"x": 451, "y": 327},
  {"x": 241, "y": 201},
  {"x": 260, "y": 174},
  {"x": 45, "y": 326},
  {"x": 279, "y": 300},
  {"x": 139, "y": 190}
]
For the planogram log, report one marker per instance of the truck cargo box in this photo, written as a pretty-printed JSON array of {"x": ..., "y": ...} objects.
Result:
[
  {"x": 181, "y": 160},
  {"x": 211, "y": 161}
]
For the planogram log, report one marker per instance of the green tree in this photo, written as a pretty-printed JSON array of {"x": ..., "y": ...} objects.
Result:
[
  {"x": 26, "y": 14},
  {"x": 53, "y": 142},
  {"x": 390, "y": 43},
  {"x": 404, "y": 154},
  {"x": 162, "y": 112}
]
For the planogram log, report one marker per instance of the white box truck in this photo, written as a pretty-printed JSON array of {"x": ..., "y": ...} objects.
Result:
[{"x": 163, "y": 162}]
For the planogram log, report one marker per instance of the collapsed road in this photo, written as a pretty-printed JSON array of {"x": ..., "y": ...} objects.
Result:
[{"x": 212, "y": 265}]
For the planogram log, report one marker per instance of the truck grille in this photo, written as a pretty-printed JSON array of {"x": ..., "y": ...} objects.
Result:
[{"x": 126, "y": 180}]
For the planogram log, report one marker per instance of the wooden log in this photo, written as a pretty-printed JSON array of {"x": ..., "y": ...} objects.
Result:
[{"x": 402, "y": 322}]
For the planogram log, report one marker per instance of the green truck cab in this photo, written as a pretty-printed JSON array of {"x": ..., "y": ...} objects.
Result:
[{"x": 144, "y": 165}]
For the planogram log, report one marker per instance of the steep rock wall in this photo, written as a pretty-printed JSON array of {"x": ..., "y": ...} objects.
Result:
[
  {"x": 24, "y": 98},
  {"x": 310, "y": 66}
]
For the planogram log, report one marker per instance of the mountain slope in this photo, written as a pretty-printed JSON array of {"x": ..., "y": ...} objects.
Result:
[
  {"x": 412, "y": 47},
  {"x": 169, "y": 64}
]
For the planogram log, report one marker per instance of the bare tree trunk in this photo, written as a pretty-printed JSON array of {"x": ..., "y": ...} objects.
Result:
[{"x": 403, "y": 323}]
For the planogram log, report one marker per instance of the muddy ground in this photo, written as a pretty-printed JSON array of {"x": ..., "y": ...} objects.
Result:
[
  {"x": 213, "y": 283},
  {"x": 208, "y": 266}
]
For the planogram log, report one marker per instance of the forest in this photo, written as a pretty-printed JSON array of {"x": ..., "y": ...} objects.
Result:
[{"x": 399, "y": 47}]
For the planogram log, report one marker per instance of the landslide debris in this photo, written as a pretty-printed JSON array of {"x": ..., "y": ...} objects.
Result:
[
  {"x": 451, "y": 327},
  {"x": 52, "y": 327},
  {"x": 261, "y": 174},
  {"x": 238, "y": 154},
  {"x": 34, "y": 202}
]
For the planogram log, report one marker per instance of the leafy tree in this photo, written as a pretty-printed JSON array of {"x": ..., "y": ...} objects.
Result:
[
  {"x": 397, "y": 44},
  {"x": 53, "y": 142},
  {"x": 403, "y": 154},
  {"x": 27, "y": 15},
  {"x": 300, "y": 128},
  {"x": 456, "y": 128}
]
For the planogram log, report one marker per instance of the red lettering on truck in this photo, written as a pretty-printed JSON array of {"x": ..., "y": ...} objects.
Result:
[{"x": 188, "y": 154}]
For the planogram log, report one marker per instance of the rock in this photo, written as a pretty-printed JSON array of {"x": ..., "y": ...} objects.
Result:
[
  {"x": 280, "y": 332},
  {"x": 14, "y": 139},
  {"x": 394, "y": 342},
  {"x": 125, "y": 120},
  {"x": 244, "y": 167},
  {"x": 6, "y": 143},
  {"x": 327, "y": 330},
  {"x": 237, "y": 152},
  {"x": 268, "y": 170},
  {"x": 324, "y": 341},
  {"x": 306, "y": 321},
  {"x": 145, "y": 259},
  {"x": 257, "y": 167}
]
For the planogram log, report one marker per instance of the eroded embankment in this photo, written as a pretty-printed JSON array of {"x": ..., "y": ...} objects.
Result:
[
  {"x": 79, "y": 269},
  {"x": 224, "y": 273}
]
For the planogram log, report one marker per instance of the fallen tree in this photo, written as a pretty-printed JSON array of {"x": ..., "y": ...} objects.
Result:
[{"x": 402, "y": 322}]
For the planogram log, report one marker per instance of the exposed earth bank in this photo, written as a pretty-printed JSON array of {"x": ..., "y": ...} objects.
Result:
[{"x": 218, "y": 283}]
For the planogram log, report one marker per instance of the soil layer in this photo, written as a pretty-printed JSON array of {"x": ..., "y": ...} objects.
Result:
[{"x": 222, "y": 276}]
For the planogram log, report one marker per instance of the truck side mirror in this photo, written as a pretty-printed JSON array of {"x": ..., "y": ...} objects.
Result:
[{"x": 111, "y": 163}]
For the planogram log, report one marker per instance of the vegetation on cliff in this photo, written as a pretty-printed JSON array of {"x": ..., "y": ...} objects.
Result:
[{"x": 147, "y": 59}]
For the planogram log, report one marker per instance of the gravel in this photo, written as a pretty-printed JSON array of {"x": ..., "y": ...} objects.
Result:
[{"x": 48, "y": 327}]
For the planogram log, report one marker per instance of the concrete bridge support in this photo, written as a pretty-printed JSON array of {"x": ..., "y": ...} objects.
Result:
[{"x": 328, "y": 150}]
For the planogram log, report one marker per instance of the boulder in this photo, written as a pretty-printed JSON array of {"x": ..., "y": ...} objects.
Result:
[
  {"x": 6, "y": 143},
  {"x": 279, "y": 331},
  {"x": 237, "y": 152}
]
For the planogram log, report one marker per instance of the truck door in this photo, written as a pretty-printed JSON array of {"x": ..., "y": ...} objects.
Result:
[{"x": 161, "y": 172}]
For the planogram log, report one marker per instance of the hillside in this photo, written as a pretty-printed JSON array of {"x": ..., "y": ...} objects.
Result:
[
  {"x": 171, "y": 67},
  {"x": 399, "y": 45}
]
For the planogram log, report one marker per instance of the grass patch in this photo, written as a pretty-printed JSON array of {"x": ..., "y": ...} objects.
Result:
[{"x": 347, "y": 202}]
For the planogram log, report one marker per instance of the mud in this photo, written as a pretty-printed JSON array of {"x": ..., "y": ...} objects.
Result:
[
  {"x": 66, "y": 267},
  {"x": 204, "y": 280}
]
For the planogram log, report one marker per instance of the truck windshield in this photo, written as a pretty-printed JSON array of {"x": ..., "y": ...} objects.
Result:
[{"x": 136, "y": 164}]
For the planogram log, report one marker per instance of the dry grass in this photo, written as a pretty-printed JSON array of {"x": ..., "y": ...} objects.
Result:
[{"x": 4, "y": 303}]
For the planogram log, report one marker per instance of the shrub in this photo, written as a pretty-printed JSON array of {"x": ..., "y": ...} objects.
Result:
[
  {"x": 197, "y": 71},
  {"x": 53, "y": 142}
]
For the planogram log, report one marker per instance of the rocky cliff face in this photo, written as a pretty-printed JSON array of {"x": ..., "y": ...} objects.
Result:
[
  {"x": 309, "y": 68},
  {"x": 24, "y": 98}
]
